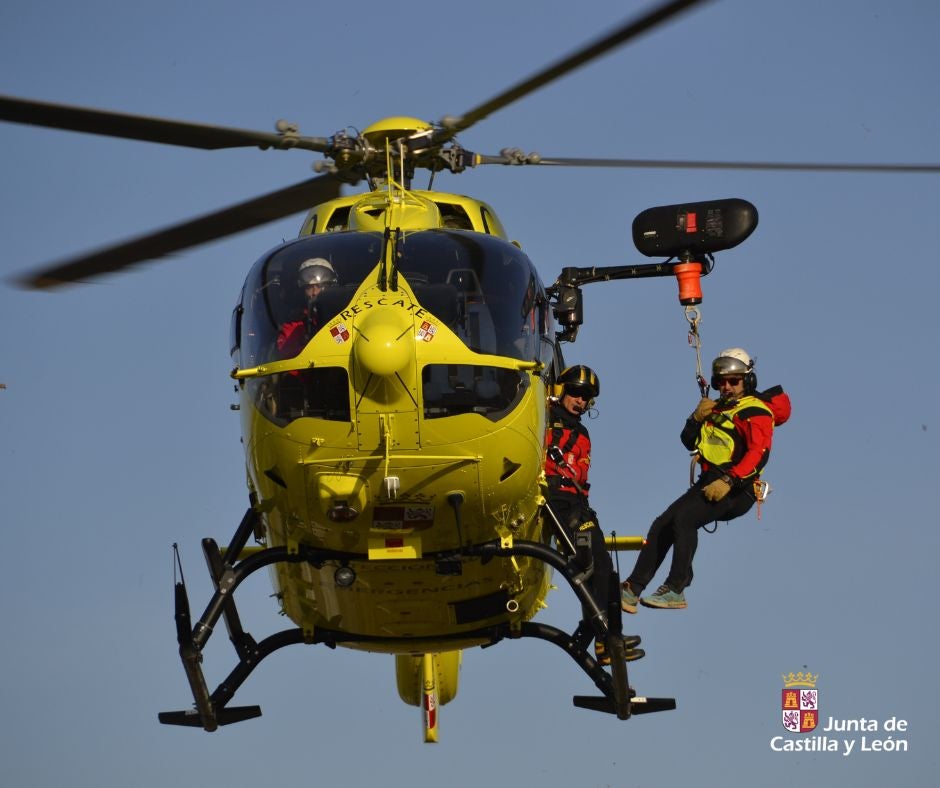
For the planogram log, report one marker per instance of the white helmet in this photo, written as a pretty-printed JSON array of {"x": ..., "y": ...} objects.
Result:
[
  {"x": 316, "y": 271},
  {"x": 734, "y": 361}
]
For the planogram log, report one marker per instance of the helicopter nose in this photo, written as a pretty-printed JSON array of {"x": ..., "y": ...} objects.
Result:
[{"x": 385, "y": 341}]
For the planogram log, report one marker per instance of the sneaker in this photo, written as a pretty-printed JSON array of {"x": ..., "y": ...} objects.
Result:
[
  {"x": 665, "y": 598},
  {"x": 628, "y": 599}
]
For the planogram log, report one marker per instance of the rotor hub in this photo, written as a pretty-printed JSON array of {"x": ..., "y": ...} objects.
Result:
[{"x": 394, "y": 128}]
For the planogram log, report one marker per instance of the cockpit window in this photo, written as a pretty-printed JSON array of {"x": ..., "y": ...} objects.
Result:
[
  {"x": 482, "y": 287},
  {"x": 295, "y": 290}
]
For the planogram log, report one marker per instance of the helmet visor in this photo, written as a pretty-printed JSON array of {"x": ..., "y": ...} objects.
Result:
[
  {"x": 728, "y": 365},
  {"x": 582, "y": 390},
  {"x": 316, "y": 275}
]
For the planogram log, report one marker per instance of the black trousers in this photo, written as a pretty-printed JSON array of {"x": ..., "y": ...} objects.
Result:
[
  {"x": 573, "y": 511},
  {"x": 677, "y": 528}
]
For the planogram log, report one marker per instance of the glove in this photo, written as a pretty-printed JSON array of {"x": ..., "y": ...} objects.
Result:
[
  {"x": 705, "y": 407},
  {"x": 718, "y": 489}
]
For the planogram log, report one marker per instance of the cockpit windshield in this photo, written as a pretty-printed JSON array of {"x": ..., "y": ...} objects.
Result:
[
  {"x": 482, "y": 287},
  {"x": 294, "y": 290}
]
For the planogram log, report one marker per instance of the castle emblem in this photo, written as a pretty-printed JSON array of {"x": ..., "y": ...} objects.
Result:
[{"x": 800, "y": 702}]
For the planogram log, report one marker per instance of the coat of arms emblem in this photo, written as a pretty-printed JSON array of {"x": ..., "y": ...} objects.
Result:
[{"x": 800, "y": 702}]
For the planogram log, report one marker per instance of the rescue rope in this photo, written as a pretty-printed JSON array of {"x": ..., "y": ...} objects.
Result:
[{"x": 694, "y": 317}]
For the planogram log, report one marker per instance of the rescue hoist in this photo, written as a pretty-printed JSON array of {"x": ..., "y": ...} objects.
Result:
[{"x": 687, "y": 235}]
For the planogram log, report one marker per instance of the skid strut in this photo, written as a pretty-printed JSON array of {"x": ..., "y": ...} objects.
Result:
[{"x": 211, "y": 709}]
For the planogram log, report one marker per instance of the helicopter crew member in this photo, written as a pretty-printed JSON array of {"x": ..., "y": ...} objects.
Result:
[
  {"x": 566, "y": 470},
  {"x": 732, "y": 437},
  {"x": 313, "y": 277}
]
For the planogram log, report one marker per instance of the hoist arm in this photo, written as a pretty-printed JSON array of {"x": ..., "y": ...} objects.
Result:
[
  {"x": 568, "y": 302},
  {"x": 687, "y": 234}
]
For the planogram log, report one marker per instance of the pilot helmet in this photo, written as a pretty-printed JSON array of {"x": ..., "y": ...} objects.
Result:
[{"x": 316, "y": 271}]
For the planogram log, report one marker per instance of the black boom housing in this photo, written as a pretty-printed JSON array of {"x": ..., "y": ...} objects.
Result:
[{"x": 693, "y": 229}]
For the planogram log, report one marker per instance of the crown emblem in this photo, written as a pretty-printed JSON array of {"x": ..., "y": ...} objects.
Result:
[{"x": 800, "y": 679}]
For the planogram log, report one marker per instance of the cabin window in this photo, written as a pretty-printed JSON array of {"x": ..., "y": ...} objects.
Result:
[
  {"x": 483, "y": 216},
  {"x": 321, "y": 393},
  {"x": 235, "y": 332},
  {"x": 339, "y": 220},
  {"x": 454, "y": 389},
  {"x": 454, "y": 216}
]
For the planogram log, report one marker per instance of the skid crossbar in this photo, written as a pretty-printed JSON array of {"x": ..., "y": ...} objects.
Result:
[{"x": 212, "y": 710}]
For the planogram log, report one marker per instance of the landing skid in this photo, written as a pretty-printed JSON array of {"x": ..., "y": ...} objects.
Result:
[{"x": 212, "y": 710}]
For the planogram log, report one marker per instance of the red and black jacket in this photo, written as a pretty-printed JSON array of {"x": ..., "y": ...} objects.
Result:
[{"x": 568, "y": 433}]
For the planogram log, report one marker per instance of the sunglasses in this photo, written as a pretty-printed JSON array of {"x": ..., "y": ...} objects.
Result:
[
  {"x": 584, "y": 392},
  {"x": 719, "y": 382}
]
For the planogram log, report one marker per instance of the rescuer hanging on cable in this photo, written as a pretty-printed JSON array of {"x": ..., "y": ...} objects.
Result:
[{"x": 732, "y": 436}]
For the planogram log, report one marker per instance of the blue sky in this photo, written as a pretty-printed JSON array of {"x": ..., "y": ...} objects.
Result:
[{"x": 116, "y": 437}]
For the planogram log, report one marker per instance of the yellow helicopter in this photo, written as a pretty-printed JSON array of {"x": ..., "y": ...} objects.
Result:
[{"x": 394, "y": 426}]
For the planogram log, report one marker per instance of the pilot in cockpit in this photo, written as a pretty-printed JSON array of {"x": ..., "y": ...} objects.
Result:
[{"x": 313, "y": 277}]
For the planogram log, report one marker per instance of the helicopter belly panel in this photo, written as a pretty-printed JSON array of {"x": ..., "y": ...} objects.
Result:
[
  {"x": 397, "y": 600},
  {"x": 395, "y": 493},
  {"x": 413, "y": 597},
  {"x": 418, "y": 506}
]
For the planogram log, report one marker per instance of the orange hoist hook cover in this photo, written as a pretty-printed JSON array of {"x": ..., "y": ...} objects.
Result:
[{"x": 689, "y": 277}]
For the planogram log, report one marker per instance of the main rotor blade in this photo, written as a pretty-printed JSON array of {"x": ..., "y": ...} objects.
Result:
[
  {"x": 629, "y": 30},
  {"x": 228, "y": 221},
  {"x": 677, "y": 164},
  {"x": 140, "y": 127}
]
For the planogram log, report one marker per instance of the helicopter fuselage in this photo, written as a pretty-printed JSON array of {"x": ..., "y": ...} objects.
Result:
[{"x": 409, "y": 425}]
